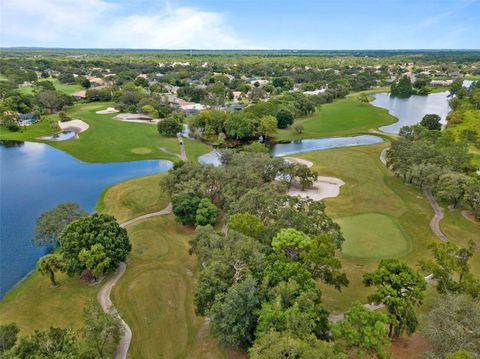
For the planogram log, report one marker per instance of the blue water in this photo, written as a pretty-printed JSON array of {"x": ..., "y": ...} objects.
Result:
[
  {"x": 61, "y": 136},
  {"x": 300, "y": 146},
  {"x": 35, "y": 177}
]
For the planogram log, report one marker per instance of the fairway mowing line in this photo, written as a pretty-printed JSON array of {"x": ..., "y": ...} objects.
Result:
[{"x": 103, "y": 296}]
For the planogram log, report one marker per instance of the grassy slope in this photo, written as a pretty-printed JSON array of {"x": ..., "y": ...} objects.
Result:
[
  {"x": 34, "y": 305},
  {"x": 340, "y": 118},
  {"x": 133, "y": 198},
  {"x": 470, "y": 121},
  {"x": 109, "y": 140},
  {"x": 156, "y": 293},
  {"x": 371, "y": 188}
]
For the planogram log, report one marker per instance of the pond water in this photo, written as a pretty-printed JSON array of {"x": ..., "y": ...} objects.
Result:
[
  {"x": 36, "y": 177},
  {"x": 411, "y": 110},
  {"x": 300, "y": 146},
  {"x": 61, "y": 136}
]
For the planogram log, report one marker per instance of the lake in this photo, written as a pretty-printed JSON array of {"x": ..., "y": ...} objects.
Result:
[
  {"x": 36, "y": 177},
  {"x": 300, "y": 146},
  {"x": 411, "y": 110}
]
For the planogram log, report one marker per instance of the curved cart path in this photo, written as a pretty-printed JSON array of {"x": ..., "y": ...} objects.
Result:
[
  {"x": 437, "y": 210},
  {"x": 438, "y": 216},
  {"x": 103, "y": 295}
]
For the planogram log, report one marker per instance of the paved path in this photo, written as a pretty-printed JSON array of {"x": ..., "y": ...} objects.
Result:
[
  {"x": 163, "y": 212},
  {"x": 438, "y": 216},
  {"x": 183, "y": 153},
  {"x": 103, "y": 295},
  {"x": 103, "y": 298},
  {"x": 383, "y": 155}
]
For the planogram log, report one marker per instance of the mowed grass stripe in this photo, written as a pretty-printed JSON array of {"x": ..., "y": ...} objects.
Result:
[
  {"x": 373, "y": 236},
  {"x": 156, "y": 293}
]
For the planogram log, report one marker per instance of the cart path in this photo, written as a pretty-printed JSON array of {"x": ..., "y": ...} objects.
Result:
[{"x": 103, "y": 295}]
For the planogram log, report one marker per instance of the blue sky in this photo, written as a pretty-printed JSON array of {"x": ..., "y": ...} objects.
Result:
[{"x": 242, "y": 24}]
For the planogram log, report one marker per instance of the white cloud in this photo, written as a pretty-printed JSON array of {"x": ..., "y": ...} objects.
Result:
[{"x": 98, "y": 23}]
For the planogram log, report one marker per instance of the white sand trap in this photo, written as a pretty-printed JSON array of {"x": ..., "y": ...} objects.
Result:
[
  {"x": 323, "y": 187},
  {"x": 77, "y": 125},
  {"x": 107, "y": 111},
  {"x": 300, "y": 161},
  {"x": 136, "y": 117}
]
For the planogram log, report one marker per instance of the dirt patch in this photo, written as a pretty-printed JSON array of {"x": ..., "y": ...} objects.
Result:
[
  {"x": 470, "y": 216},
  {"x": 409, "y": 347}
]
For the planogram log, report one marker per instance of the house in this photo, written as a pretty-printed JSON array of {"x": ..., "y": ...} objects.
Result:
[
  {"x": 314, "y": 92},
  {"x": 95, "y": 81},
  {"x": 26, "y": 119},
  {"x": 192, "y": 108},
  {"x": 80, "y": 95},
  {"x": 436, "y": 83}
]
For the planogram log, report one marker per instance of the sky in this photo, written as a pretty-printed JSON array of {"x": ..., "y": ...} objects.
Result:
[{"x": 241, "y": 24}]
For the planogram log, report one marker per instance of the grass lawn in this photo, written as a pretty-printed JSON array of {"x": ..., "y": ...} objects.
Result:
[
  {"x": 133, "y": 198},
  {"x": 470, "y": 121},
  {"x": 371, "y": 189},
  {"x": 109, "y": 140},
  {"x": 373, "y": 230},
  {"x": 34, "y": 305},
  {"x": 68, "y": 89},
  {"x": 155, "y": 296},
  {"x": 340, "y": 118}
]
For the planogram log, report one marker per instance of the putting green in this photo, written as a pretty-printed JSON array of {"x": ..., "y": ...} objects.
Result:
[{"x": 373, "y": 235}]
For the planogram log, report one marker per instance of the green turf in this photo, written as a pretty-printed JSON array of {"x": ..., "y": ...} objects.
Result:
[
  {"x": 133, "y": 198},
  {"x": 156, "y": 294},
  {"x": 67, "y": 89},
  {"x": 340, "y": 118},
  {"x": 373, "y": 235},
  {"x": 470, "y": 121},
  {"x": 371, "y": 188},
  {"x": 109, "y": 140},
  {"x": 34, "y": 305}
]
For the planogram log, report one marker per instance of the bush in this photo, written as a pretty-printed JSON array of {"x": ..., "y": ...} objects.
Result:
[
  {"x": 170, "y": 126},
  {"x": 284, "y": 118},
  {"x": 185, "y": 206},
  {"x": 63, "y": 116},
  {"x": 206, "y": 213}
]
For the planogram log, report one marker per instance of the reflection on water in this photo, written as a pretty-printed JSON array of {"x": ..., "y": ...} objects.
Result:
[
  {"x": 411, "y": 110},
  {"x": 35, "y": 177},
  {"x": 308, "y": 145}
]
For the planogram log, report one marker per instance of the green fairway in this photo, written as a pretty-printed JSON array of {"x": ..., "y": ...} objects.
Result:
[
  {"x": 156, "y": 294},
  {"x": 373, "y": 235},
  {"x": 109, "y": 140},
  {"x": 371, "y": 188},
  {"x": 67, "y": 89},
  {"x": 133, "y": 198},
  {"x": 340, "y": 118}
]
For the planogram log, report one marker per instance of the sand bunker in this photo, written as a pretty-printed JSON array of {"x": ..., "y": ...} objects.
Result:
[
  {"x": 300, "y": 161},
  {"x": 107, "y": 111},
  {"x": 323, "y": 187},
  {"x": 136, "y": 117},
  {"x": 75, "y": 125}
]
